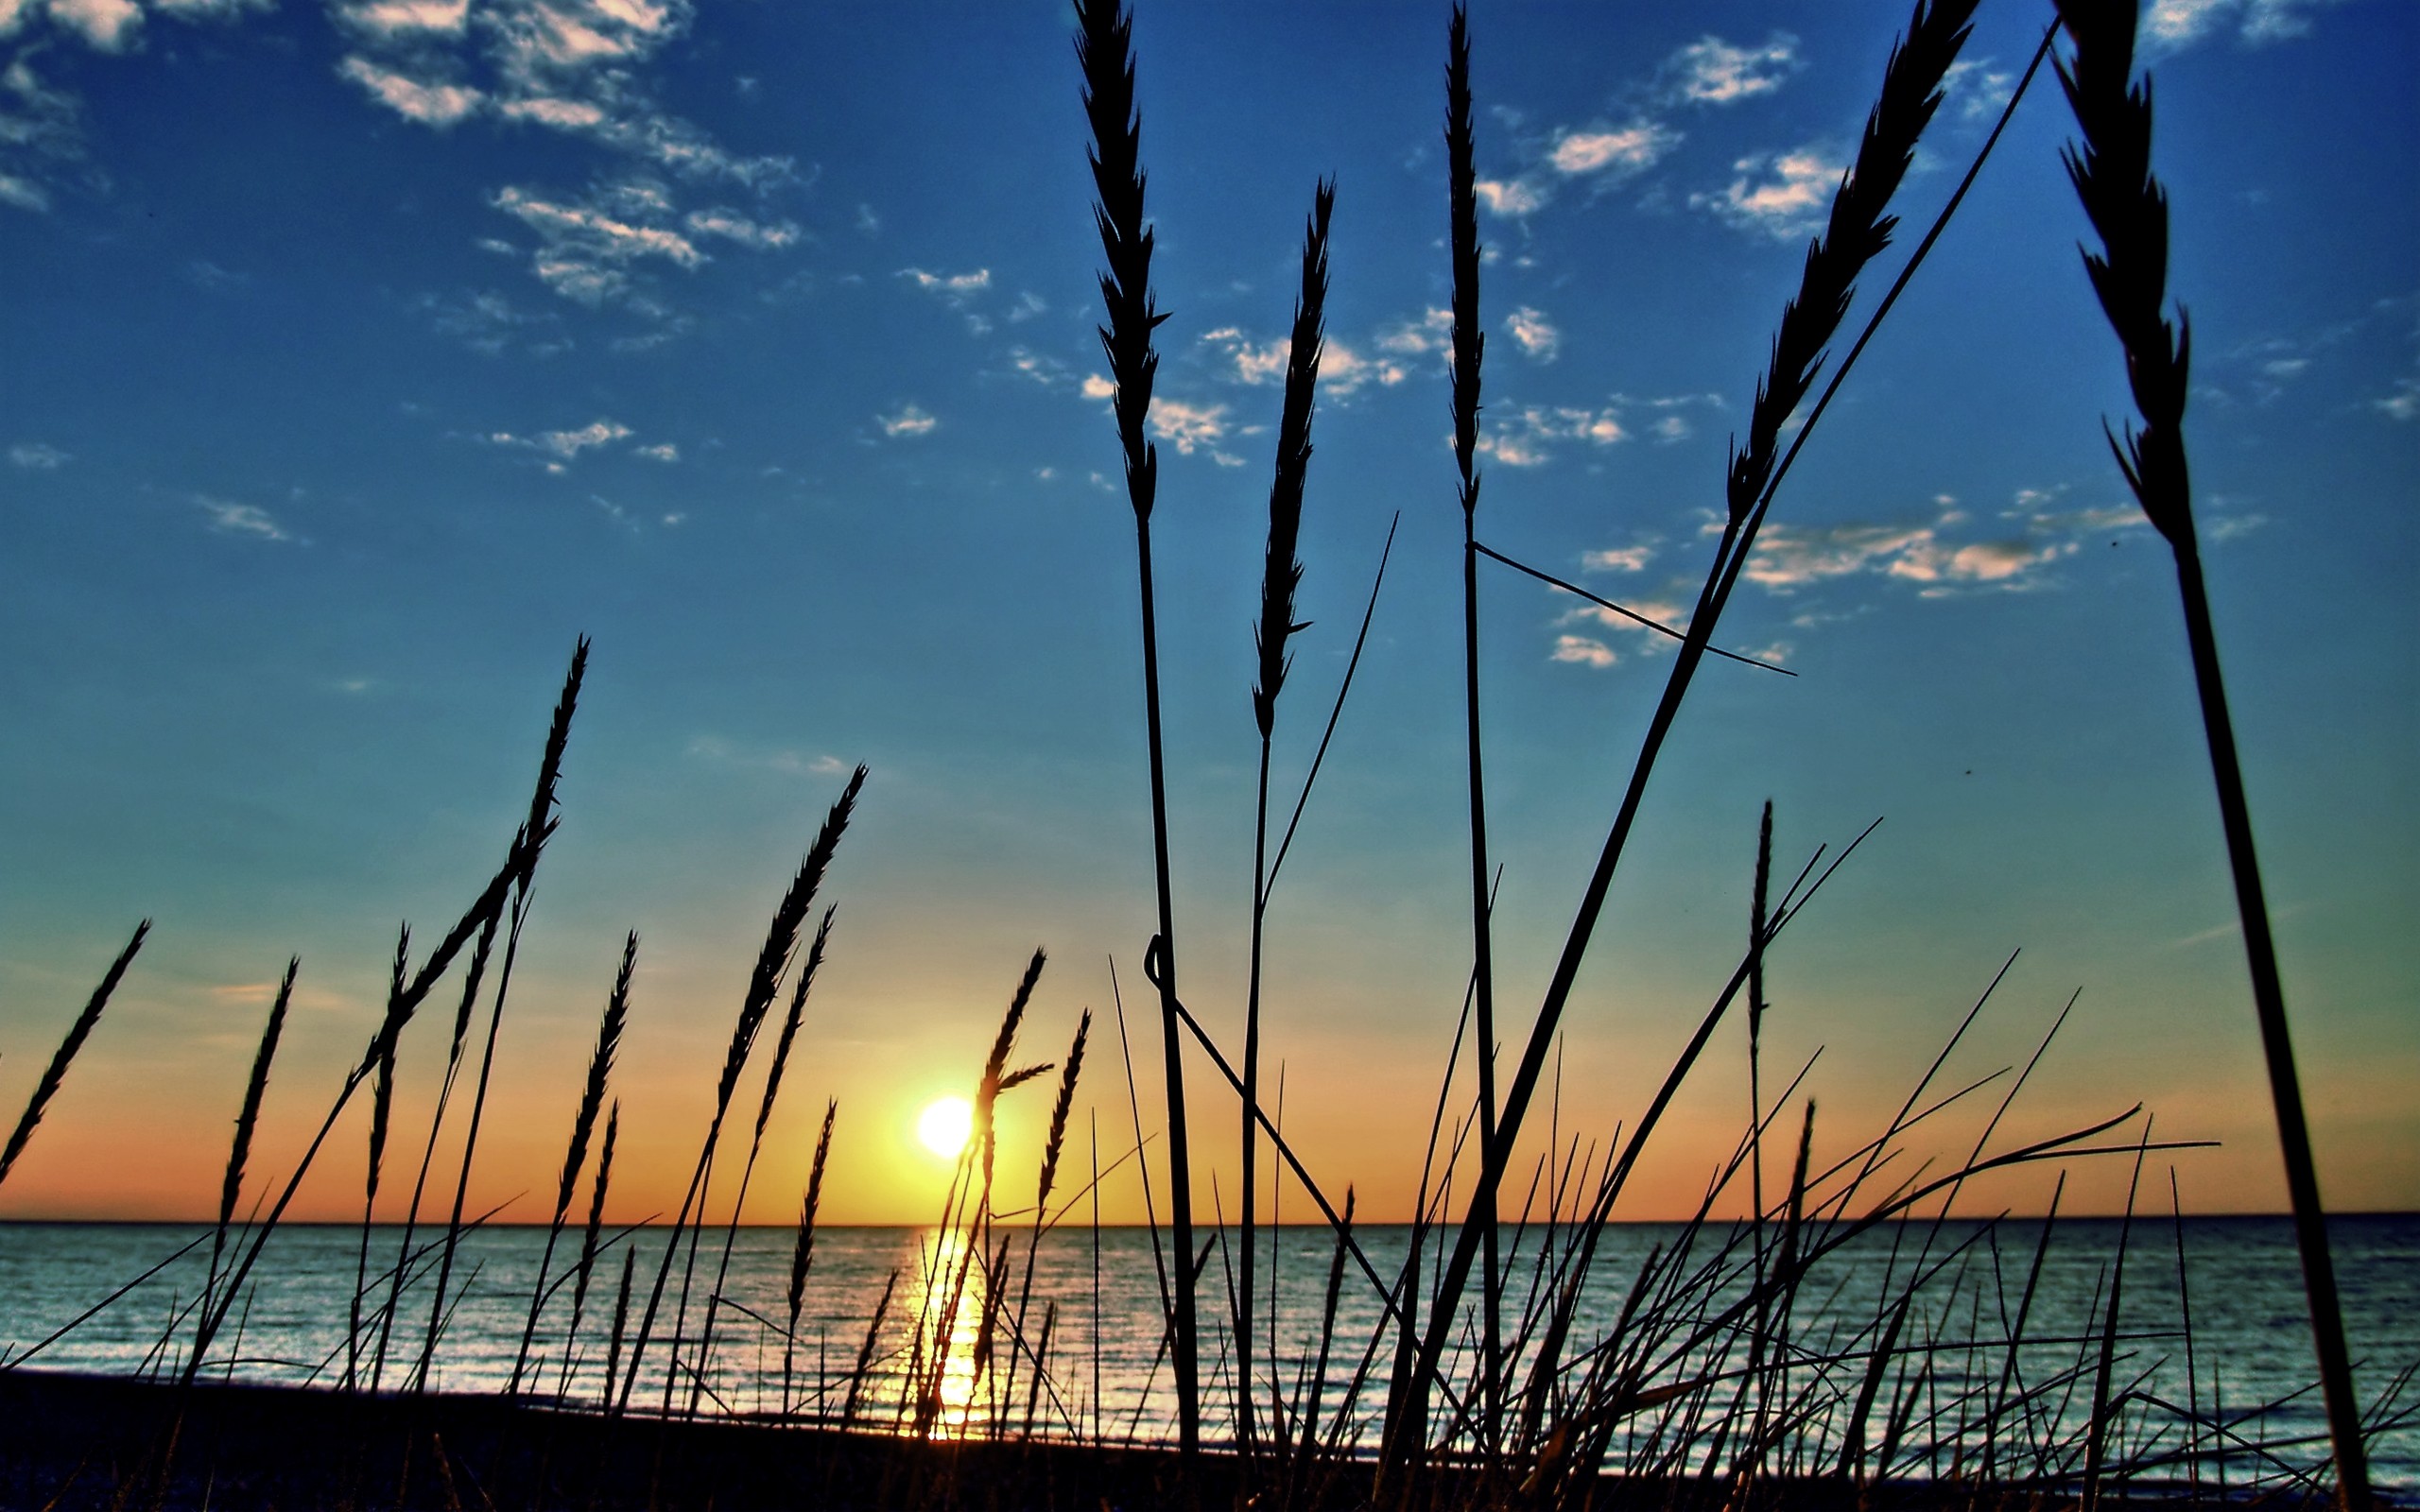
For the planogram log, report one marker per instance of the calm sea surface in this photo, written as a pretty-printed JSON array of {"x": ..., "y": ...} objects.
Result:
[{"x": 1093, "y": 1311}]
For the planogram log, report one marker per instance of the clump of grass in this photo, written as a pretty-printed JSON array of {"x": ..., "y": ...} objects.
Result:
[
  {"x": 1857, "y": 230},
  {"x": 46, "y": 1086},
  {"x": 2128, "y": 208},
  {"x": 764, "y": 982}
]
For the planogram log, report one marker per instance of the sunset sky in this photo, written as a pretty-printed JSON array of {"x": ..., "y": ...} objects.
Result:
[{"x": 360, "y": 355}]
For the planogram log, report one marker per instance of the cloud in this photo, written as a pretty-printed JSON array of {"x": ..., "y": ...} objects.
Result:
[
  {"x": 390, "y": 21},
  {"x": 2172, "y": 24},
  {"x": 1343, "y": 371},
  {"x": 428, "y": 102},
  {"x": 109, "y": 26},
  {"x": 1783, "y": 194},
  {"x": 585, "y": 250},
  {"x": 485, "y": 322},
  {"x": 953, "y": 288},
  {"x": 1097, "y": 386},
  {"x": 22, "y": 193},
  {"x": 1584, "y": 651},
  {"x": 1524, "y": 436},
  {"x": 732, "y": 226},
  {"x": 660, "y": 452},
  {"x": 1630, "y": 558},
  {"x": 566, "y": 446},
  {"x": 1534, "y": 332},
  {"x": 2402, "y": 404},
  {"x": 1789, "y": 558},
  {"x": 723, "y": 752},
  {"x": 1432, "y": 332},
  {"x": 910, "y": 421},
  {"x": 1713, "y": 72},
  {"x": 38, "y": 458},
  {"x": 1042, "y": 369},
  {"x": 229, "y": 518},
  {"x": 1192, "y": 428},
  {"x": 1975, "y": 89},
  {"x": 1512, "y": 197},
  {"x": 1612, "y": 153}
]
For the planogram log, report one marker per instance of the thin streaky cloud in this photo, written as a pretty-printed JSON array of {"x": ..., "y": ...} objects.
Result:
[
  {"x": 1782, "y": 195},
  {"x": 37, "y": 456},
  {"x": 228, "y": 517},
  {"x": 1534, "y": 332},
  {"x": 1713, "y": 72},
  {"x": 908, "y": 419}
]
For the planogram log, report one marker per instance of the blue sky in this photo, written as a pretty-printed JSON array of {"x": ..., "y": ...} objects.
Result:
[{"x": 363, "y": 354}]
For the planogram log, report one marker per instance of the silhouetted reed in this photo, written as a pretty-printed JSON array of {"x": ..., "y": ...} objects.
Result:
[
  {"x": 2113, "y": 177},
  {"x": 247, "y": 1120},
  {"x": 773, "y": 962},
  {"x": 583, "y": 1124},
  {"x": 1103, "y": 48},
  {"x": 802, "y": 1250},
  {"x": 46, "y": 1086}
]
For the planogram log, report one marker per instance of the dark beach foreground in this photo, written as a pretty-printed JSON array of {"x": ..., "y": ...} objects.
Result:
[{"x": 75, "y": 1441}]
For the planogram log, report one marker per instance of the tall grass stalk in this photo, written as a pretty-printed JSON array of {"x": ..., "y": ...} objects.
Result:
[
  {"x": 1104, "y": 52},
  {"x": 782, "y": 1042},
  {"x": 803, "y": 1252},
  {"x": 583, "y": 1124},
  {"x": 46, "y": 1086},
  {"x": 1281, "y": 576},
  {"x": 1469, "y": 348},
  {"x": 587, "y": 1264},
  {"x": 541, "y": 806},
  {"x": 231, "y": 1187},
  {"x": 382, "y": 1108},
  {"x": 2129, "y": 209},
  {"x": 1053, "y": 1146},
  {"x": 1859, "y": 227},
  {"x": 773, "y": 962}
]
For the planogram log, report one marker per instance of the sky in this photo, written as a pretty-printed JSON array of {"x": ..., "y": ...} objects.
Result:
[{"x": 362, "y": 355}]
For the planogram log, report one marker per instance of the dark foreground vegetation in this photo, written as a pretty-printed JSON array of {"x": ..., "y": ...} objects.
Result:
[
  {"x": 1492, "y": 1378},
  {"x": 80, "y": 1444}
]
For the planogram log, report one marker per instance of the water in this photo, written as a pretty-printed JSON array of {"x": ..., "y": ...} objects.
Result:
[{"x": 1097, "y": 1297}]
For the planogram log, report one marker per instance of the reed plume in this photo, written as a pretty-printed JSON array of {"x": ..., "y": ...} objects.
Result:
[
  {"x": 1052, "y": 1145},
  {"x": 1104, "y": 52},
  {"x": 256, "y": 1088},
  {"x": 588, "y": 1240},
  {"x": 1281, "y": 576},
  {"x": 803, "y": 1252},
  {"x": 2111, "y": 174},
  {"x": 1859, "y": 229},
  {"x": 1469, "y": 350},
  {"x": 540, "y": 822},
  {"x": 773, "y": 960},
  {"x": 46, "y": 1086},
  {"x": 583, "y": 1124},
  {"x": 382, "y": 1108}
]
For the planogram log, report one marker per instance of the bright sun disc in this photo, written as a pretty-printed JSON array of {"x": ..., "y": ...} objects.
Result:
[{"x": 944, "y": 1124}]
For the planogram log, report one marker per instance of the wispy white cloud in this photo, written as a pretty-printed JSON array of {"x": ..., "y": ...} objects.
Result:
[
  {"x": 1783, "y": 194},
  {"x": 392, "y": 21},
  {"x": 1584, "y": 651},
  {"x": 2403, "y": 404},
  {"x": 1192, "y": 428},
  {"x": 1097, "y": 386},
  {"x": 1432, "y": 332},
  {"x": 2170, "y": 24},
  {"x": 1344, "y": 370},
  {"x": 1972, "y": 88},
  {"x": 732, "y": 226},
  {"x": 1713, "y": 72},
  {"x": 787, "y": 762},
  {"x": 563, "y": 447},
  {"x": 1534, "y": 332},
  {"x": 955, "y": 288},
  {"x": 108, "y": 26},
  {"x": 660, "y": 452},
  {"x": 1630, "y": 558},
  {"x": 1525, "y": 436},
  {"x": 1615, "y": 152},
  {"x": 429, "y": 102},
  {"x": 1790, "y": 558},
  {"x": 909, "y": 420},
  {"x": 37, "y": 456},
  {"x": 585, "y": 248},
  {"x": 232, "y": 519},
  {"x": 22, "y": 193},
  {"x": 1511, "y": 197}
]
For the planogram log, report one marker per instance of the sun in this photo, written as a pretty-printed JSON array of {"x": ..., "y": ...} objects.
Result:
[{"x": 944, "y": 1126}]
